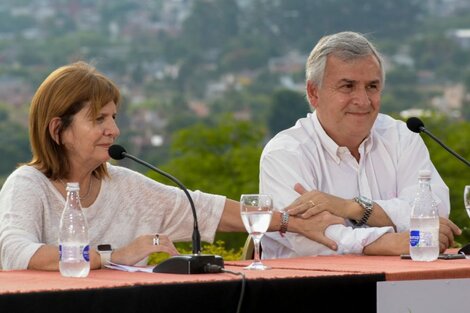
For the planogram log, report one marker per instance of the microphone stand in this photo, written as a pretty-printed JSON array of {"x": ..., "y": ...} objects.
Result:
[
  {"x": 424, "y": 130},
  {"x": 195, "y": 263}
]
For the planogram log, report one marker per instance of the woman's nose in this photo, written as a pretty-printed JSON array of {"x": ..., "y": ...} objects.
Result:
[{"x": 112, "y": 129}]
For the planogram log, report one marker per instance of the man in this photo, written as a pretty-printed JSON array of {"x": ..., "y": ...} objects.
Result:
[{"x": 358, "y": 164}]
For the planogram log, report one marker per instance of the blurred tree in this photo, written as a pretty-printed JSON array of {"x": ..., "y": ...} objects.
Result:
[
  {"x": 435, "y": 51},
  {"x": 255, "y": 105},
  {"x": 466, "y": 103},
  {"x": 401, "y": 97},
  {"x": 454, "y": 173},
  {"x": 288, "y": 106},
  {"x": 11, "y": 24},
  {"x": 300, "y": 23},
  {"x": 210, "y": 25},
  {"x": 14, "y": 143},
  {"x": 245, "y": 52},
  {"x": 466, "y": 110},
  {"x": 222, "y": 159}
]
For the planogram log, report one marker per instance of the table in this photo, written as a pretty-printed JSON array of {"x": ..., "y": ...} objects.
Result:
[{"x": 293, "y": 285}]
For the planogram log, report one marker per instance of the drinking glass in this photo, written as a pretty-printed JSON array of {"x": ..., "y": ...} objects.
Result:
[
  {"x": 466, "y": 198},
  {"x": 256, "y": 211}
]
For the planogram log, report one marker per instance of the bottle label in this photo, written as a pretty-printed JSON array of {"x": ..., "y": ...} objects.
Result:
[
  {"x": 86, "y": 253},
  {"x": 421, "y": 239},
  {"x": 74, "y": 252},
  {"x": 414, "y": 238}
]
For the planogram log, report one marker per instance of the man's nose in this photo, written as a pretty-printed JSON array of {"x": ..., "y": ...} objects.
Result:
[{"x": 361, "y": 96}]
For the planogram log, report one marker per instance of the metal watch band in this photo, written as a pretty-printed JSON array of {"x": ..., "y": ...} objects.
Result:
[
  {"x": 368, "y": 205},
  {"x": 284, "y": 223}
]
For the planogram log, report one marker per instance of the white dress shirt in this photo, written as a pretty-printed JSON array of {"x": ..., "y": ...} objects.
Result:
[{"x": 387, "y": 173}]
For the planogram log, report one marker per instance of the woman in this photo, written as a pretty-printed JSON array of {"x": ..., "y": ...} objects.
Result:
[{"x": 72, "y": 125}]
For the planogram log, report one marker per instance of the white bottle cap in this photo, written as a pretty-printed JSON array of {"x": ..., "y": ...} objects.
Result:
[
  {"x": 73, "y": 186},
  {"x": 425, "y": 174}
]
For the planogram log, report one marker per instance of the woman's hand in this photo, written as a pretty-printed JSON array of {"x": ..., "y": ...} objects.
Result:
[
  {"x": 314, "y": 227},
  {"x": 141, "y": 247}
]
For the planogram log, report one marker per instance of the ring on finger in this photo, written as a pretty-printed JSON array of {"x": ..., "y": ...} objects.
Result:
[{"x": 156, "y": 240}]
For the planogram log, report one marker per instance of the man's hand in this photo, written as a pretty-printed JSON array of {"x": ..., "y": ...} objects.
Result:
[
  {"x": 313, "y": 202},
  {"x": 399, "y": 243},
  {"x": 447, "y": 231},
  {"x": 314, "y": 227},
  {"x": 389, "y": 244}
]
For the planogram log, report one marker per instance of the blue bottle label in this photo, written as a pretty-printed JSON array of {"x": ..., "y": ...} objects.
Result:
[
  {"x": 86, "y": 253},
  {"x": 414, "y": 238}
]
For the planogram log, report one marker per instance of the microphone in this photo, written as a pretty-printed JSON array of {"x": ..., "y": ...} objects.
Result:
[
  {"x": 195, "y": 263},
  {"x": 416, "y": 125}
]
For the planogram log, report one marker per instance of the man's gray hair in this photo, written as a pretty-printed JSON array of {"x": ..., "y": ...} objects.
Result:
[{"x": 346, "y": 46}]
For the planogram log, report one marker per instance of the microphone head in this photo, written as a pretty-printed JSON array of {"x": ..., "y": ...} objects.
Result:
[
  {"x": 117, "y": 152},
  {"x": 415, "y": 124}
]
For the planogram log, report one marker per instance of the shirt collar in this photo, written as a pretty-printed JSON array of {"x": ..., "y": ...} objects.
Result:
[{"x": 336, "y": 152}]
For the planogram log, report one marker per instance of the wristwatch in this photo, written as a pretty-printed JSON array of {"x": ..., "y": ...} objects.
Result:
[
  {"x": 368, "y": 205},
  {"x": 105, "y": 251}
]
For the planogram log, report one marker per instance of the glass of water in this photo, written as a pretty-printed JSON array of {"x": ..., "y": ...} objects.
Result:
[
  {"x": 256, "y": 211},
  {"x": 466, "y": 198}
]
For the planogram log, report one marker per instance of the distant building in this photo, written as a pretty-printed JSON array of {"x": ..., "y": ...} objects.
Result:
[
  {"x": 451, "y": 100},
  {"x": 199, "y": 108},
  {"x": 461, "y": 36},
  {"x": 14, "y": 91},
  {"x": 293, "y": 62},
  {"x": 217, "y": 89},
  {"x": 446, "y": 7},
  {"x": 415, "y": 112}
]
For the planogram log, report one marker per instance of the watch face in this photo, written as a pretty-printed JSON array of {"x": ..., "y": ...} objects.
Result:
[
  {"x": 104, "y": 247},
  {"x": 365, "y": 200}
]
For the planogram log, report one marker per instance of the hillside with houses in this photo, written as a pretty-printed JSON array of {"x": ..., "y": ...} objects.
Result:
[{"x": 181, "y": 62}]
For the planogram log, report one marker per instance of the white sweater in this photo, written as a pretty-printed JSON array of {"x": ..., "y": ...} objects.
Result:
[{"x": 129, "y": 204}]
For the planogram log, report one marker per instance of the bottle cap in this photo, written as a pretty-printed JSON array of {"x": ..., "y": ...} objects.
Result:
[
  {"x": 425, "y": 174},
  {"x": 73, "y": 186}
]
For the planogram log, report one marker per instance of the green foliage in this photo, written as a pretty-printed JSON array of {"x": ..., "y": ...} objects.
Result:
[
  {"x": 229, "y": 37},
  {"x": 216, "y": 249},
  {"x": 256, "y": 104},
  {"x": 438, "y": 53},
  {"x": 211, "y": 25},
  {"x": 221, "y": 159},
  {"x": 14, "y": 143},
  {"x": 454, "y": 173},
  {"x": 10, "y": 23},
  {"x": 299, "y": 23},
  {"x": 288, "y": 106}
]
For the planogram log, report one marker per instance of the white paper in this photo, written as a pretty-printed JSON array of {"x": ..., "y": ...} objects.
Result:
[{"x": 129, "y": 268}]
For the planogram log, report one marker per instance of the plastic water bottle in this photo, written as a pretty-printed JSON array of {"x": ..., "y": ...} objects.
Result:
[
  {"x": 424, "y": 223},
  {"x": 74, "y": 246}
]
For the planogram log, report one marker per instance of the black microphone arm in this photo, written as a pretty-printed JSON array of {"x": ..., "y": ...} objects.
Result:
[
  {"x": 196, "y": 235},
  {"x": 424, "y": 130},
  {"x": 416, "y": 125},
  {"x": 181, "y": 264}
]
